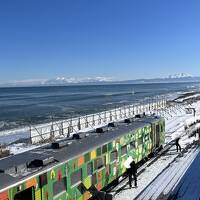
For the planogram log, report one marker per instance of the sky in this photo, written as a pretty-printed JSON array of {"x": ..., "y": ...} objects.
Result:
[{"x": 122, "y": 39}]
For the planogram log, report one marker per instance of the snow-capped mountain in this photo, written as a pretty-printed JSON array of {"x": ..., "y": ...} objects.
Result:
[
  {"x": 72, "y": 80},
  {"x": 181, "y": 75},
  {"x": 57, "y": 81}
]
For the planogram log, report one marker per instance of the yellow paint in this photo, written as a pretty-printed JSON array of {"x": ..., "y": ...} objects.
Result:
[
  {"x": 93, "y": 154},
  {"x": 53, "y": 174},
  {"x": 37, "y": 195},
  {"x": 107, "y": 160},
  {"x": 87, "y": 182},
  {"x": 43, "y": 195}
]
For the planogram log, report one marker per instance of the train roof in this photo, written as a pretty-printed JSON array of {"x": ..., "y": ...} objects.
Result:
[{"x": 14, "y": 168}]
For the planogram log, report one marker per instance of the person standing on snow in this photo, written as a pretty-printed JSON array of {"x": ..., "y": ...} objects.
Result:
[
  {"x": 178, "y": 146},
  {"x": 132, "y": 172}
]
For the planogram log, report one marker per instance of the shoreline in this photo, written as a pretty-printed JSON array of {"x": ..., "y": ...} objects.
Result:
[{"x": 20, "y": 137}]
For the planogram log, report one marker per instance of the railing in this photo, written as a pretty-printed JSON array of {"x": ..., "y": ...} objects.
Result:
[{"x": 64, "y": 128}]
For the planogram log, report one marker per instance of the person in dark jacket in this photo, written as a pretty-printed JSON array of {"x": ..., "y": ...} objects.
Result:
[
  {"x": 132, "y": 172},
  {"x": 178, "y": 146}
]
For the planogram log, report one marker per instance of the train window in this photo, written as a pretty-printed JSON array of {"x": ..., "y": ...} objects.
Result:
[
  {"x": 113, "y": 156},
  {"x": 132, "y": 145},
  {"x": 59, "y": 186},
  {"x": 104, "y": 149},
  {"x": 90, "y": 169},
  {"x": 76, "y": 177},
  {"x": 124, "y": 150},
  {"x": 140, "y": 141},
  {"x": 98, "y": 163}
]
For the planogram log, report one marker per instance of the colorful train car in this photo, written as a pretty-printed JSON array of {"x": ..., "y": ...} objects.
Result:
[{"x": 57, "y": 171}]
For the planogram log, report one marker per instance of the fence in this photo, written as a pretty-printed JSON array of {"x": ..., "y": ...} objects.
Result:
[{"x": 64, "y": 128}]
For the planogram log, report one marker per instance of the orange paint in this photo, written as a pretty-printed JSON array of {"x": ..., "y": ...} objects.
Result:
[
  {"x": 4, "y": 195},
  {"x": 31, "y": 183},
  {"x": 80, "y": 161},
  {"x": 86, "y": 196},
  {"x": 99, "y": 186}
]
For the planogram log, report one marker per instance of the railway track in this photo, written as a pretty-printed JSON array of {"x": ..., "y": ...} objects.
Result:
[
  {"x": 124, "y": 180},
  {"x": 161, "y": 186},
  {"x": 115, "y": 190}
]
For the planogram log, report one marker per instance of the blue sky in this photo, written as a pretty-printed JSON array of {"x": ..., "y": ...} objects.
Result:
[{"x": 124, "y": 39}]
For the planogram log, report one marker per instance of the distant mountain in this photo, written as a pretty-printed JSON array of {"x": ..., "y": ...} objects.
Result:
[
  {"x": 62, "y": 81},
  {"x": 181, "y": 75},
  {"x": 67, "y": 81},
  {"x": 59, "y": 81},
  {"x": 170, "y": 79}
]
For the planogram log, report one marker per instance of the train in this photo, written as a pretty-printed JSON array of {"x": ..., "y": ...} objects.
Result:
[{"x": 69, "y": 168}]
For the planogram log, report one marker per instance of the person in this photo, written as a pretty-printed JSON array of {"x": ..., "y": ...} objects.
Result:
[
  {"x": 132, "y": 172},
  {"x": 178, "y": 146},
  {"x": 198, "y": 136}
]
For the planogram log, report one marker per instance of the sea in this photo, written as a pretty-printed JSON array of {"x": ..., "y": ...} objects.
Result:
[{"x": 24, "y": 106}]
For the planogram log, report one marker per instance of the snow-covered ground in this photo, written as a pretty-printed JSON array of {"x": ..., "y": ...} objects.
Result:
[
  {"x": 175, "y": 125},
  {"x": 186, "y": 98},
  {"x": 161, "y": 178},
  {"x": 165, "y": 181}
]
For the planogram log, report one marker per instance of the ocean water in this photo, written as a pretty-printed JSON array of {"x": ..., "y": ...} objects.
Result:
[{"x": 20, "y": 107}]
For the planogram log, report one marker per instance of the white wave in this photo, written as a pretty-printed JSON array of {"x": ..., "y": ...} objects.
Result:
[
  {"x": 123, "y": 101},
  {"x": 192, "y": 86},
  {"x": 118, "y": 93},
  {"x": 109, "y": 103},
  {"x": 15, "y": 131}
]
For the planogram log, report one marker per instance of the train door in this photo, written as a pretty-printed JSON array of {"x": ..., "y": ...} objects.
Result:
[
  {"x": 152, "y": 136},
  {"x": 27, "y": 194},
  {"x": 157, "y": 135}
]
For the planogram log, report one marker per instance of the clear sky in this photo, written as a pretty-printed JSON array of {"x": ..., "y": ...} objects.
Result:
[{"x": 124, "y": 39}]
